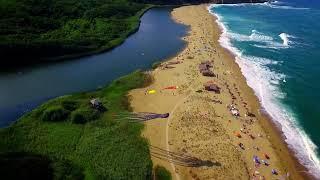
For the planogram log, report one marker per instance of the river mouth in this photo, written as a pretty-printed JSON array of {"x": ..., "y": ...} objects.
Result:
[{"x": 159, "y": 37}]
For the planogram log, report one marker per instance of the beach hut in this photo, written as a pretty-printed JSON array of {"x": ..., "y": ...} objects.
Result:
[
  {"x": 204, "y": 69},
  {"x": 210, "y": 86}
]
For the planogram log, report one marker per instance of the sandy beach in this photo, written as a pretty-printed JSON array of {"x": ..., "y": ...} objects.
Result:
[{"x": 201, "y": 124}]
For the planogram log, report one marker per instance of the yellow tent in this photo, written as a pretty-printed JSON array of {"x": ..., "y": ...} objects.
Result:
[{"x": 151, "y": 91}]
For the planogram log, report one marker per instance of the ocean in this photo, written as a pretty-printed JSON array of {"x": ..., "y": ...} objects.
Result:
[{"x": 277, "y": 47}]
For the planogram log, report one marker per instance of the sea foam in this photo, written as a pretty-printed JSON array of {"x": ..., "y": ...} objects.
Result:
[
  {"x": 262, "y": 40},
  {"x": 274, "y": 5},
  {"x": 285, "y": 38},
  {"x": 265, "y": 83}
]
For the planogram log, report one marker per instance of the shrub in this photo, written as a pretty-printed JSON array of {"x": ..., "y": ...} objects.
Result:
[
  {"x": 82, "y": 116},
  {"x": 69, "y": 105},
  {"x": 161, "y": 173},
  {"x": 55, "y": 113},
  {"x": 65, "y": 169}
]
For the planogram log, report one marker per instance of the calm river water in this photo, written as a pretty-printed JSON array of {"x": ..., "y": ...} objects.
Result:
[{"x": 158, "y": 37}]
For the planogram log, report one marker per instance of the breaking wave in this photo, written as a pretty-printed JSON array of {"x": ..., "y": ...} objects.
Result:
[
  {"x": 265, "y": 84},
  {"x": 262, "y": 40},
  {"x": 285, "y": 39},
  {"x": 274, "y": 5}
]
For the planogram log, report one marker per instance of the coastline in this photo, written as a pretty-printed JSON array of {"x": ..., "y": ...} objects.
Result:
[
  {"x": 271, "y": 127},
  {"x": 170, "y": 134}
]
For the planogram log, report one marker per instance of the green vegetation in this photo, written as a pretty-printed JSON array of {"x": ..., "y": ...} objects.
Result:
[
  {"x": 66, "y": 138},
  {"x": 162, "y": 173},
  {"x": 54, "y": 113},
  {"x": 44, "y": 29},
  {"x": 33, "y": 31},
  {"x": 156, "y": 64}
]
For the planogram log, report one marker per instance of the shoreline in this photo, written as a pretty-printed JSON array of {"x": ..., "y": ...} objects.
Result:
[
  {"x": 277, "y": 136},
  {"x": 166, "y": 134}
]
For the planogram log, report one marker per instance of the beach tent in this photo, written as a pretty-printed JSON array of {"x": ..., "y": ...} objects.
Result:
[{"x": 151, "y": 91}]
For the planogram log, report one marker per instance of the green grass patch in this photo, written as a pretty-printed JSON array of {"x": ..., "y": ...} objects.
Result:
[
  {"x": 78, "y": 142},
  {"x": 54, "y": 114},
  {"x": 161, "y": 173},
  {"x": 82, "y": 116}
]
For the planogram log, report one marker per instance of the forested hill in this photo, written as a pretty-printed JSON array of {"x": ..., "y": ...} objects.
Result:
[
  {"x": 35, "y": 30},
  {"x": 40, "y": 30}
]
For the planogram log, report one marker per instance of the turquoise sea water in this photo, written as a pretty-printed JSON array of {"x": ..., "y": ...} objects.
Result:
[{"x": 277, "y": 47}]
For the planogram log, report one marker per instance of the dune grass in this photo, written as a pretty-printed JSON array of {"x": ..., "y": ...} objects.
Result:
[{"x": 97, "y": 148}]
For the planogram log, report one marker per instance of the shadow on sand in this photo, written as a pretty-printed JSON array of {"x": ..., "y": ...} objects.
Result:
[{"x": 180, "y": 158}]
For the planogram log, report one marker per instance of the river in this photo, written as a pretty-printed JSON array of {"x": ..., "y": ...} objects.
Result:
[{"x": 21, "y": 90}]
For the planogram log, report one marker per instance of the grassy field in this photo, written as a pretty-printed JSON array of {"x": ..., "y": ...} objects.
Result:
[{"x": 52, "y": 143}]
